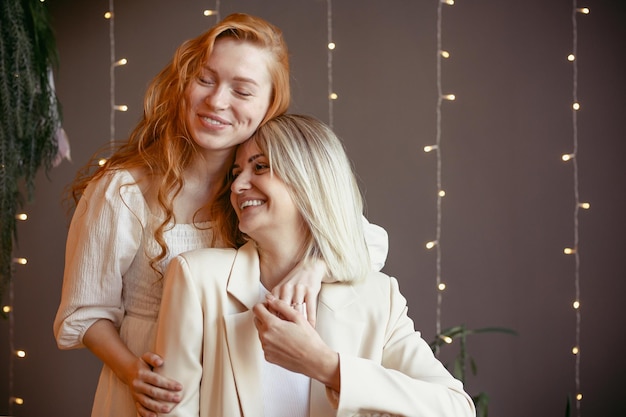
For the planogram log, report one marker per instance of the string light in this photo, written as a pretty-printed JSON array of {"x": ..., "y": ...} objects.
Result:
[
  {"x": 21, "y": 216},
  {"x": 16, "y": 400},
  {"x": 213, "y": 12},
  {"x": 20, "y": 261},
  {"x": 431, "y": 244},
  {"x": 578, "y": 204},
  {"x": 441, "y": 54},
  {"x": 332, "y": 96}
]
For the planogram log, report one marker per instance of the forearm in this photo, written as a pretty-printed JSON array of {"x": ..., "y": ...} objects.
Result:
[
  {"x": 104, "y": 341},
  {"x": 326, "y": 370}
]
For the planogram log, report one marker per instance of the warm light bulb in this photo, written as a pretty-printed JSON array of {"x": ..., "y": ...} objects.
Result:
[
  {"x": 576, "y": 106},
  {"x": 20, "y": 353},
  {"x": 446, "y": 339},
  {"x": 579, "y": 396},
  {"x": 448, "y": 2},
  {"x": 566, "y": 157},
  {"x": 575, "y": 350},
  {"x": 121, "y": 107},
  {"x": 441, "y": 193},
  {"x": 17, "y": 400},
  {"x": 21, "y": 261},
  {"x": 569, "y": 251},
  {"x": 584, "y": 206},
  {"x": 583, "y": 10},
  {"x": 441, "y": 287},
  {"x": 108, "y": 15},
  {"x": 102, "y": 161},
  {"x": 209, "y": 12},
  {"x": 450, "y": 97},
  {"x": 21, "y": 216},
  {"x": 430, "y": 148},
  {"x": 571, "y": 57},
  {"x": 431, "y": 244},
  {"x": 333, "y": 96},
  {"x": 120, "y": 62},
  {"x": 6, "y": 309},
  {"x": 445, "y": 54},
  {"x": 331, "y": 45}
]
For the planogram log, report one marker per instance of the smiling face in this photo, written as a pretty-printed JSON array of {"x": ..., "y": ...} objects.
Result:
[
  {"x": 230, "y": 96},
  {"x": 262, "y": 200}
]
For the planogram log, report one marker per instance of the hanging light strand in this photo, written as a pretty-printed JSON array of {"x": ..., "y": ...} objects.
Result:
[
  {"x": 573, "y": 158},
  {"x": 112, "y": 73},
  {"x": 331, "y": 46},
  {"x": 436, "y": 244}
]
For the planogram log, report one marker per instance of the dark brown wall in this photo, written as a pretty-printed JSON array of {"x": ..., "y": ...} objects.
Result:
[{"x": 509, "y": 207}]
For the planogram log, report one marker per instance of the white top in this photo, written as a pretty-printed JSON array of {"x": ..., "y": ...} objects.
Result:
[
  {"x": 285, "y": 393},
  {"x": 108, "y": 275}
]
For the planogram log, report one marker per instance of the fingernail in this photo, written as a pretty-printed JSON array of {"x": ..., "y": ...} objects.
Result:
[{"x": 270, "y": 297}]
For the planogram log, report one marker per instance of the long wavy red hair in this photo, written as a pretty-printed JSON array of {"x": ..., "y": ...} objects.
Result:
[{"x": 161, "y": 144}]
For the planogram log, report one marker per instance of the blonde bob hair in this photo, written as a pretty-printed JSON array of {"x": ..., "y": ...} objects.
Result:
[{"x": 309, "y": 158}]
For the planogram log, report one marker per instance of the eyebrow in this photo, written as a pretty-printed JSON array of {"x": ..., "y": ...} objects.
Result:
[
  {"x": 236, "y": 78},
  {"x": 251, "y": 159}
]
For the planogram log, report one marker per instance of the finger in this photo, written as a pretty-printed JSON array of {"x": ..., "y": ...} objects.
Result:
[
  {"x": 261, "y": 313},
  {"x": 284, "y": 291},
  {"x": 283, "y": 309},
  {"x": 152, "y": 359},
  {"x": 311, "y": 312}
]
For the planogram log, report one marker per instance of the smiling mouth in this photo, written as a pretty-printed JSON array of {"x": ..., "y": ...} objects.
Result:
[
  {"x": 213, "y": 121},
  {"x": 250, "y": 203}
]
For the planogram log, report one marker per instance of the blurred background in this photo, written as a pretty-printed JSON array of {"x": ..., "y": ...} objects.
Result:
[{"x": 509, "y": 207}]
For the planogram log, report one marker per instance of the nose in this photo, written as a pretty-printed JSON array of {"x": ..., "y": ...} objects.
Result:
[
  {"x": 241, "y": 183},
  {"x": 217, "y": 98}
]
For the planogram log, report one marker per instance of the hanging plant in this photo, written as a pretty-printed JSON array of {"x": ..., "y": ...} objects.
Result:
[{"x": 29, "y": 113}]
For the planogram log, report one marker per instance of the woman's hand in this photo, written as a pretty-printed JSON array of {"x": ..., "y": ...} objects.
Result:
[
  {"x": 290, "y": 341},
  {"x": 301, "y": 287},
  {"x": 152, "y": 392}
]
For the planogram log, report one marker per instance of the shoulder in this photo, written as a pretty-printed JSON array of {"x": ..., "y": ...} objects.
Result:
[
  {"x": 206, "y": 261},
  {"x": 374, "y": 292},
  {"x": 112, "y": 184}
]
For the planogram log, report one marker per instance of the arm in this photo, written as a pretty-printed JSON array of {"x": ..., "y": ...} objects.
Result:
[
  {"x": 303, "y": 283},
  {"x": 403, "y": 376},
  {"x": 180, "y": 335},
  {"x": 103, "y": 238},
  {"x": 410, "y": 380},
  {"x": 152, "y": 392}
]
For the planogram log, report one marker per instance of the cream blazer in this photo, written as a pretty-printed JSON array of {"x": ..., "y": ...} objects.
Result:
[{"x": 208, "y": 340}]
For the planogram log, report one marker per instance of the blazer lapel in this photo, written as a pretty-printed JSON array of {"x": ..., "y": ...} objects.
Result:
[
  {"x": 340, "y": 331},
  {"x": 245, "y": 353},
  {"x": 244, "y": 347}
]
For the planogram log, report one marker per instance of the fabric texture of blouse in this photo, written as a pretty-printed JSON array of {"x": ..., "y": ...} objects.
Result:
[{"x": 108, "y": 276}]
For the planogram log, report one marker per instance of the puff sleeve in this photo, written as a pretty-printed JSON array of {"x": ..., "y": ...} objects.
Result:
[{"x": 104, "y": 236}]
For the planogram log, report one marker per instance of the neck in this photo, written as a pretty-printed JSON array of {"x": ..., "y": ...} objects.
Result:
[{"x": 277, "y": 260}]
